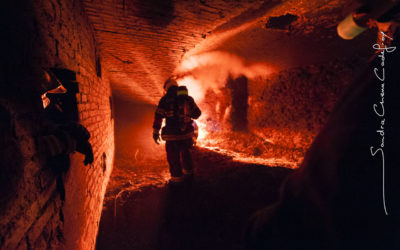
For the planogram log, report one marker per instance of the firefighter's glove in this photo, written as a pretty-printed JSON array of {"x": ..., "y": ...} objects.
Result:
[
  {"x": 156, "y": 138},
  {"x": 85, "y": 148},
  {"x": 81, "y": 135},
  {"x": 76, "y": 130}
]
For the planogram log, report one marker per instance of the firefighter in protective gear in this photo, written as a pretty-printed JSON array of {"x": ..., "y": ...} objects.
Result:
[{"x": 178, "y": 109}]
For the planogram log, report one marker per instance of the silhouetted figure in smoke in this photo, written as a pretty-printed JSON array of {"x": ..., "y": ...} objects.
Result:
[
  {"x": 239, "y": 97},
  {"x": 178, "y": 109}
]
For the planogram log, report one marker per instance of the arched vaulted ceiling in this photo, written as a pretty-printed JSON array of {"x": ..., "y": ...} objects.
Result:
[{"x": 142, "y": 42}]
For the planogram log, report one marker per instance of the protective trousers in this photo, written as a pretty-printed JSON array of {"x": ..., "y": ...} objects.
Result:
[{"x": 177, "y": 151}]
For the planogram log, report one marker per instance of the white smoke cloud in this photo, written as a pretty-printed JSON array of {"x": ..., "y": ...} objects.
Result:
[{"x": 211, "y": 70}]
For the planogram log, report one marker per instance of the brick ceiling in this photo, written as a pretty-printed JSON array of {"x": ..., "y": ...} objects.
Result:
[{"x": 143, "y": 41}]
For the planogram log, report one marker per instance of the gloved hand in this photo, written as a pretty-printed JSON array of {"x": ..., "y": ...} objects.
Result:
[
  {"x": 85, "y": 148},
  {"x": 81, "y": 135},
  {"x": 76, "y": 130},
  {"x": 156, "y": 138}
]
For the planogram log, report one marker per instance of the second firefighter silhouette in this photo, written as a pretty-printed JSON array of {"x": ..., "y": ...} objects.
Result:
[{"x": 178, "y": 109}]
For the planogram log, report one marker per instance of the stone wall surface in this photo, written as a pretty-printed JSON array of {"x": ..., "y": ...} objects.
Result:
[
  {"x": 291, "y": 107},
  {"x": 43, "y": 207},
  {"x": 285, "y": 110}
]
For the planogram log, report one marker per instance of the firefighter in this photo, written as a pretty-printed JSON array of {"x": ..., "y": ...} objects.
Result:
[{"x": 178, "y": 109}]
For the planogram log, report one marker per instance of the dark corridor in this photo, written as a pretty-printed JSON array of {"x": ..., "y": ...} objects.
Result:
[{"x": 296, "y": 146}]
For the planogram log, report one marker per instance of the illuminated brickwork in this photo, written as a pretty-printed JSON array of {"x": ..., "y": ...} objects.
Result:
[
  {"x": 46, "y": 208},
  {"x": 144, "y": 41}
]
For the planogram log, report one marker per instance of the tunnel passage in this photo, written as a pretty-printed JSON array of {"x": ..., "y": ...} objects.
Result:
[{"x": 287, "y": 72}]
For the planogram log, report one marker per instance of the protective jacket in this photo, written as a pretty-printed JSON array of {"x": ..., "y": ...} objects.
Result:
[{"x": 178, "y": 109}]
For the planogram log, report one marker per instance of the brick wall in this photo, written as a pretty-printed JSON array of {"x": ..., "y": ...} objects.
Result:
[
  {"x": 144, "y": 41},
  {"x": 41, "y": 207},
  {"x": 87, "y": 184}
]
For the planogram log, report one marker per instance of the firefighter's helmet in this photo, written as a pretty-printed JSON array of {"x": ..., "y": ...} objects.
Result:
[{"x": 169, "y": 82}]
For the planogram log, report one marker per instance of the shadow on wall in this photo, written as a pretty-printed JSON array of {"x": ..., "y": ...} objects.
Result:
[{"x": 155, "y": 12}]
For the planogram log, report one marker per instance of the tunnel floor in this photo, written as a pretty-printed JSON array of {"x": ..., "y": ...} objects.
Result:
[{"x": 209, "y": 214}]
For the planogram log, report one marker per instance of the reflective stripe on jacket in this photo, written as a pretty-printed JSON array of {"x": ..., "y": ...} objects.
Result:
[{"x": 168, "y": 109}]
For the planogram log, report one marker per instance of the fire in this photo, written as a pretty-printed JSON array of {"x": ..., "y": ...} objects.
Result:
[
  {"x": 206, "y": 75},
  {"x": 202, "y": 132},
  {"x": 241, "y": 146}
]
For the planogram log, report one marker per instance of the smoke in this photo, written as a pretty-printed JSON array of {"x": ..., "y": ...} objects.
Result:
[{"x": 210, "y": 71}]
